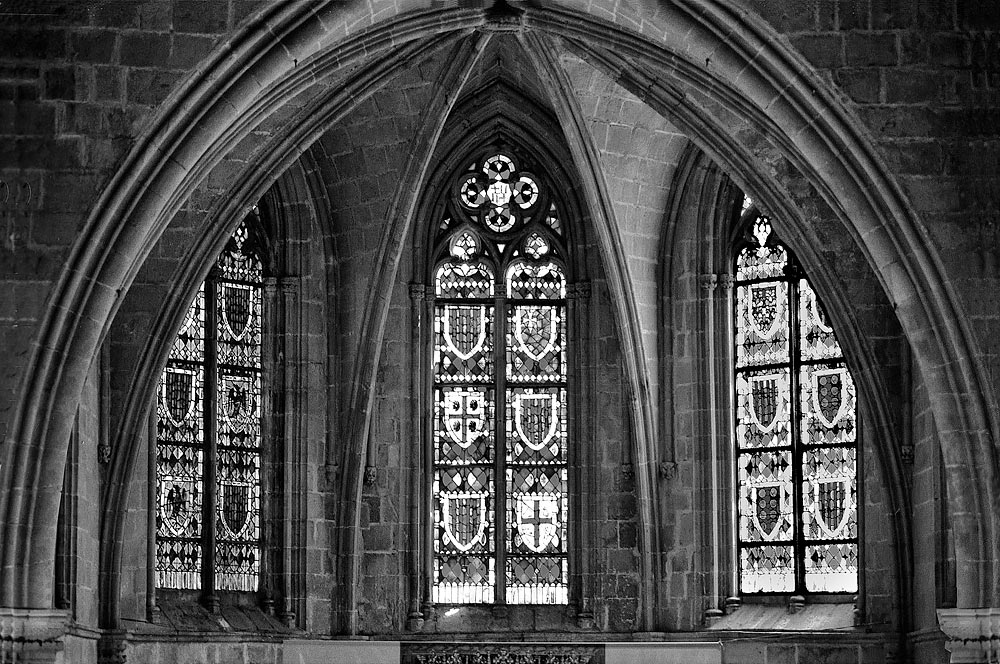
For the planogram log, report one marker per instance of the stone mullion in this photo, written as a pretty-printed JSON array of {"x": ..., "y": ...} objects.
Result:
[
  {"x": 795, "y": 420},
  {"x": 210, "y": 422},
  {"x": 500, "y": 487},
  {"x": 582, "y": 467}
]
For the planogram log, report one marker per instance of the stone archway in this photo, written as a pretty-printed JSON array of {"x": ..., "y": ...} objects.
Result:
[{"x": 274, "y": 56}]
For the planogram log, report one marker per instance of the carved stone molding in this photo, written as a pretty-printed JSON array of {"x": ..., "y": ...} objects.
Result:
[
  {"x": 111, "y": 648},
  {"x": 668, "y": 470},
  {"x": 497, "y": 653},
  {"x": 973, "y": 634},
  {"x": 708, "y": 281},
  {"x": 580, "y": 290},
  {"x": 418, "y": 292},
  {"x": 31, "y": 635}
]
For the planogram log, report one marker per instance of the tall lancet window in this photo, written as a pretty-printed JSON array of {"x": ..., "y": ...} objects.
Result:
[
  {"x": 499, "y": 485},
  {"x": 208, "y": 431},
  {"x": 796, "y": 431}
]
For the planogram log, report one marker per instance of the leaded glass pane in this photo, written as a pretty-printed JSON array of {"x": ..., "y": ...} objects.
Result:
[
  {"x": 239, "y": 316},
  {"x": 763, "y": 408},
  {"x": 500, "y": 497},
  {"x": 765, "y": 500},
  {"x": 829, "y": 493},
  {"x": 236, "y": 287},
  {"x": 791, "y": 450},
  {"x": 828, "y": 405},
  {"x": 179, "y": 456},
  {"x": 464, "y": 561},
  {"x": 761, "y": 263},
  {"x": 535, "y": 351},
  {"x": 463, "y": 347},
  {"x": 816, "y": 337},
  {"x": 470, "y": 280},
  {"x": 767, "y": 569},
  {"x": 536, "y": 425},
  {"x": 189, "y": 344},
  {"x": 832, "y": 568},
  {"x": 536, "y": 281},
  {"x": 239, "y": 295},
  {"x": 238, "y": 476},
  {"x": 762, "y": 323}
]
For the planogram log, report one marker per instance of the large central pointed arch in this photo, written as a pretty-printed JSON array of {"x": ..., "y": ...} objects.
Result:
[{"x": 279, "y": 51}]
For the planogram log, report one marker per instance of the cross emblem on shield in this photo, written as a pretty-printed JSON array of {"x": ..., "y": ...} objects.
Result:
[
  {"x": 536, "y": 520},
  {"x": 464, "y": 416}
]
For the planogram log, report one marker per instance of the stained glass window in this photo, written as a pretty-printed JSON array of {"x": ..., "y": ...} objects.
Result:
[
  {"x": 796, "y": 431},
  {"x": 208, "y": 432},
  {"x": 499, "y": 488}
]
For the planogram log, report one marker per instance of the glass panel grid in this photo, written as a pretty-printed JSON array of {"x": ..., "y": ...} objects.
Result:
[
  {"x": 515, "y": 476},
  {"x": 796, "y": 456},
  {"x": 179, "y": 456},
  {"x": 181, "y": 412}
]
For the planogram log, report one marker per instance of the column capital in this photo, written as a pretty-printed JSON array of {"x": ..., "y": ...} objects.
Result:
[
  {"x": 418, "y": 292},
  {"x": 288, "y": 284},
  {"x": 973, "y": 634},
  {"x": 580, "y": 290}
]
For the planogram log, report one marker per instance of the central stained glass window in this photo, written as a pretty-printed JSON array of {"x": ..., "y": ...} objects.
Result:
[
  {"x": 796, "y": 431},
  {"x": 499, "y": 488}
]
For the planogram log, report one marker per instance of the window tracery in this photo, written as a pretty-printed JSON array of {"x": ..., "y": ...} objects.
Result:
[
  {"x": 796, "y": 430},
  {"x": 499, "y": 435},
  {"x": 208, "y": 431}
]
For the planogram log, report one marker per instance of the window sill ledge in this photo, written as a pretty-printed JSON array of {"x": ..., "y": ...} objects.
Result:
[{"x": 770, "y": 617}]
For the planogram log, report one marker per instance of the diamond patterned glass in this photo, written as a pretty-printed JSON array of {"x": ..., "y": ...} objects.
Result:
[
  {"x": 796, "y": 455},
  {"x": 499, "y": 494},
  {"x": 237, "y": 290}
]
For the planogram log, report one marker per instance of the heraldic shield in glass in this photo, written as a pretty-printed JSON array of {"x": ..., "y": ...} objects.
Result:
[
  {"x": 235, "y": 291},
  {"x": 499, "y": 489},
  {"x": 796, "y": 444}
]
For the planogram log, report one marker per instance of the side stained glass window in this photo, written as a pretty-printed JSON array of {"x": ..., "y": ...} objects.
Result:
[
  {"x": 499, "y": 489},
  {"x": 208, "y": 432},
  {"x": 796, "y": 431}
]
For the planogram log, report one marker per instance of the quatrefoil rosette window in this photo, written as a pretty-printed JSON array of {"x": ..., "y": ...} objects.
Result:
[{"x": 499, "y": 486}]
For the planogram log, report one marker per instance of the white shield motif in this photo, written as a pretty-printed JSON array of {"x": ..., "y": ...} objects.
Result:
[
  {"x": 763, "y": 402},
  {"x": 464, "y": 329},
  {"x": 536, "y": 336},
  {"x": 177, "y": 393},
  {"x": 537, "y": 522},
  {"x": 830, "y": 504},
  {"x": 536, "y": 417},
  {"x": 766, "y": 499},
  {"x": 234, "y": 500},
  {"x": 238, "y": 302},
  {"x": 464, "y": 416},
  {"x": 239, "y": 401},
  {"x": 765, "y": 307},
  {"x": 464, "y": 519},
  {"x": 830, "y": 395},
  {"x": 177, "y": 508}
]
